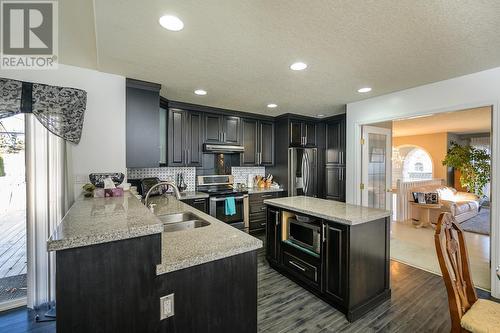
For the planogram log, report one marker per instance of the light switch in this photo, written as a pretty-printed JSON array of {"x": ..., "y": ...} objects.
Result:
[{"x": 166, "y": 306}]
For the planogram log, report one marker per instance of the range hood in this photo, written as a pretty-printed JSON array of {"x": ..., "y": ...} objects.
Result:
[{"x": 218, "y": 148}]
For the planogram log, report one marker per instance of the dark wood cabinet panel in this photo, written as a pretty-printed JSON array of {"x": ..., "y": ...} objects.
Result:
[
  {"x": 142, "y": 124},
  {"x": 296, "y": 137},
  {"x": 309, "y": 133},
  {"x": 273, "y": 232},
  {"x": 258, "y": 139},
  {"x": 257, "y": 209},
  {"x": 213, "y": 128},
  {"x": 335, "y": 182},
  {"x": 266, "y": 143},
  {"x": 194, "y": 141},
  {"x": 249, "y": 129},
  {"x": 184, "y": 138},
  {"x": 335, "y": 261},
  {"x": 176, "y": 137},
  {"x": 200, "y": 204},
  {"x": 231, "y": 130},
  {"x": 335, "y": 141}
]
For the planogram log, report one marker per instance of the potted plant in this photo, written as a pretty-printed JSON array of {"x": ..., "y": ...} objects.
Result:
[{"x": 473, "y": 164}]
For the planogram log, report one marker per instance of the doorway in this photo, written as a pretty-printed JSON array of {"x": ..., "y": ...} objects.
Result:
[{"x": 417, "y": 163}]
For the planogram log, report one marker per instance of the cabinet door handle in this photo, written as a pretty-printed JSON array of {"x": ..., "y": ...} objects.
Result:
[
  {"x": 276, "y": 218},
  {"x": 266, "y": 196},
  {"x": 263, "y": 208},
  {"x": 199, "y": 200},
  {"x": 296, "y": 265},
  {"x": 324, "y": 232},
  {"x": 260, "y": 158}
]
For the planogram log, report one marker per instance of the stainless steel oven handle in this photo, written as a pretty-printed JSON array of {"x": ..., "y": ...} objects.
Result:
[{"x": 224, "y": 198}]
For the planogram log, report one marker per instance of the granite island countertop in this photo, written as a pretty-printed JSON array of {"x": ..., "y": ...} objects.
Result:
[
  {"x": 92, "y": 221},
  {"x": 329, "y": 209}
]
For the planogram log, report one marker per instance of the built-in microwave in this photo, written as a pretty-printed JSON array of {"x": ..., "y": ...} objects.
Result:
[{"x": 304, "y": 234}]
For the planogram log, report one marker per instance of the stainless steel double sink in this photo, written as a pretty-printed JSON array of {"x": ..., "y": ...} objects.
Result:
[{"x": 182, "y": 221}]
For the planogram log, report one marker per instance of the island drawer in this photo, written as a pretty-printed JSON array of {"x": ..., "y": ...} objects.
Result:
[
  {"x": 302, "y": 268},
  {"x": 260, "y": 197}
]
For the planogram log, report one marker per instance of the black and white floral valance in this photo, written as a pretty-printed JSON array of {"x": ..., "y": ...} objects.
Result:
[{"x": 59, "y": 109}]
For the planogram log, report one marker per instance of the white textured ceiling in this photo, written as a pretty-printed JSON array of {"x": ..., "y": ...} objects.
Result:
[
  {"x": 240, "y": 50},
  {"x": 468, "y": 121}
]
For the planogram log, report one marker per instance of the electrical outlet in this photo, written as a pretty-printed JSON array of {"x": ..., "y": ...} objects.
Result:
[{"x": 166, "y": 306}]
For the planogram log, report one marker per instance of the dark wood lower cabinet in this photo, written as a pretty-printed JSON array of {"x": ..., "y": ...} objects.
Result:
[
  {"x": 113, "y": 287},
  {"x": 352, "y": 271},
  {"x": 257, "y": 214},
  {"x": 200, "y": 204}
]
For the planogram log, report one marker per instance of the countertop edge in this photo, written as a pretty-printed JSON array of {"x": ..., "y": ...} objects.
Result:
[
  {"x": 189, "y": 263},
  {"x": 106, "y": 237}
]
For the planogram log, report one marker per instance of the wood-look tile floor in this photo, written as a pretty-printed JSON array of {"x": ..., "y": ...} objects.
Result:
[{"x": 418, "y": 304}]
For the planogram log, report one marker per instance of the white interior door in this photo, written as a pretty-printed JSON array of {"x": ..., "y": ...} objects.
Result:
[{"x": 376, "y": 182}]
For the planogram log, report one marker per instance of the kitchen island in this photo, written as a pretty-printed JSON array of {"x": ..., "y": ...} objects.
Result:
[
  {"x": 115, "y": 261},
  {"x": 338, "y": 251}
]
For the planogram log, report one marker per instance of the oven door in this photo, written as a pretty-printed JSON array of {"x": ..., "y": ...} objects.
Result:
[{"x": 238, "y": 220}]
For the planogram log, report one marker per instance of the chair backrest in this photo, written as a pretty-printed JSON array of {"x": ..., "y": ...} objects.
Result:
[{"x": 454, "y": 263}]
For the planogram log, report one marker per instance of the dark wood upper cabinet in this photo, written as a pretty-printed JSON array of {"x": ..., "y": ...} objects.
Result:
[
  {"x": 222, "y": 129},
  {"x": 249, "y": 128},
  {"x": 231, "y": 130},
  {"x": 258, "y": 139},
  {"x": 142, "y": 124},
  {"x": 266, "y": 142},
  {"x": 184, "y": 138},
  {"x": 213, "y": 128},
  {"x": 176, "y": 137},
  {"x": 296, "y": 137},
  {"x": 310, "y": 134},
  {"x": 194, "y": 142},
  {"x": 302, "y": 133},
  {"x": 335, "y": 140}
]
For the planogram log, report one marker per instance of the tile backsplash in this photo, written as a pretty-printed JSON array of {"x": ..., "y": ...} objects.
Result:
[
  {"x": 241, "y": 173},
  {"x": 165, "y": 173}
]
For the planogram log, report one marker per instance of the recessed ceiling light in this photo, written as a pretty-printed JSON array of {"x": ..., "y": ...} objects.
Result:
[
  {"x": 200, "y": 92},
  {"x": 364, "y": 90},
  {"x": 172, "y": 23},
  {"x": 298, "y": 66},
  {"x": 272, "y": 105},
  {"x": 320, "y": 115}
]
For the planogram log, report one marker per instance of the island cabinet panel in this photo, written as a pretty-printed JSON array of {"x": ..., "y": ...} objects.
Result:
[
  {"x": 108, "y": 287},
  {"x": 273, "y": 235},
  {"x": 219, "y": 296},
  {"x": 335, "y": 246}
]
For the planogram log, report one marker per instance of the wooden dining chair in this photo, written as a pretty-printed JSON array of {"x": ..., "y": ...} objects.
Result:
[{"x": 467, "y": 312}]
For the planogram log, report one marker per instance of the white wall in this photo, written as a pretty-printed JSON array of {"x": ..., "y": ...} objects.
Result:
[
  {"x": 474, "y": 90},
  {"x": 102, "y": 146}
]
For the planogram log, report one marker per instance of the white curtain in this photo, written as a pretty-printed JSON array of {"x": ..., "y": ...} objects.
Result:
[{"x": 48, "y": 198}]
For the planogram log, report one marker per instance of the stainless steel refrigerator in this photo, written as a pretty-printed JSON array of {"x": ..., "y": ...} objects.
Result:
[{"x": 303, "y": 171}]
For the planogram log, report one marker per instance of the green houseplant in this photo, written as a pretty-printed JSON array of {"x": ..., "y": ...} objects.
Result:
[{"x": 473, "y": 164}]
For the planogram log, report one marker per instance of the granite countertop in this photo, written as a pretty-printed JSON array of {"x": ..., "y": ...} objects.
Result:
[
  {"x": 186, "y": 248},
  {"x": 99, "y": 220},
  {"x": 193, "y": 195},
  {"x": 253, "y": 190},
  {"x": 93, "y": 221},
  {"x": 329, "y": 210}
]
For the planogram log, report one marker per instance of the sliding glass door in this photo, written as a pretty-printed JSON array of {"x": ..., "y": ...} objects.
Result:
[{"x": 13, "y": 259}]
